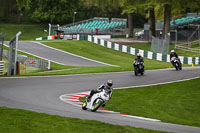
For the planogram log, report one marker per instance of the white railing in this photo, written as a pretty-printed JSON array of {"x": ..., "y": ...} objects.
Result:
[
  {"x": 1, "y": 67},
  {"x": 187, "y": 47}
]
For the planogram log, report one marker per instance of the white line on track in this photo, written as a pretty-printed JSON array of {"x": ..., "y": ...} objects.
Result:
[
  {"x": 74, "y": 54},
  {"x": 38, "y": 56},
  {"x": 157, "y": 83}
]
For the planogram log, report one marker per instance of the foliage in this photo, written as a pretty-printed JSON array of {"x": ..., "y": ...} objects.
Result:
[{"x": 53, "y": 11}]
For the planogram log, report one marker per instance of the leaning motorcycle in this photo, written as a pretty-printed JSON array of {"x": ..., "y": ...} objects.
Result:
[
  {"x": 176, "y": 63},
  {"x": 97, "y": 100},
  {"x": 138, "y": 67}
]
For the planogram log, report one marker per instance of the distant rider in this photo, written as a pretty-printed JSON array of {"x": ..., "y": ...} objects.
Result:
[
  {"x": 173, "y": 54},
  {"x": 105, "y": 86},
  {"x": 139, "y": 58}
]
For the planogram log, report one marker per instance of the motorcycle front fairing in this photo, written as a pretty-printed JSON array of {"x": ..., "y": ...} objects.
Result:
[{"x": 101, "y": 96}]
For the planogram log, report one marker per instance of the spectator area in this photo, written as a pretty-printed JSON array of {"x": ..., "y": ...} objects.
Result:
[
  {"x": 92, "y": 25},
  {"x": 185, "y": 20}
]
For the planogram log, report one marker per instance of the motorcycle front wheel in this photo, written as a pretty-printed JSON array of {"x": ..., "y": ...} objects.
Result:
[
  {"x": 84, "y": 106},
  {"x": 177, "y": 66},
  {"x": 96, "y": 104},
  {"x": 136, "y": 71}
]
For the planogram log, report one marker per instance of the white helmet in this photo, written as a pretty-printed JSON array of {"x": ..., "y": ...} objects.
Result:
[
  {"x": 172, "y": 51},
  {"x": 138, "y": 54}
]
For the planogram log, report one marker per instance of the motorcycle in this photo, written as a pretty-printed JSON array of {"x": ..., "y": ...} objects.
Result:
[
  {"x": 176, "y": 63},
  {"x": 97, "y": 100},
  {"x": 138, "y": 67}
]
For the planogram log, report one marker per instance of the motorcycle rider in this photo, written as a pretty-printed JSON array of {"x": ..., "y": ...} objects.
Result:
[
  {"x": 139, "y": 59},
  {"x": 173, "y": 54},
  {"x": 106, "y": 86}
]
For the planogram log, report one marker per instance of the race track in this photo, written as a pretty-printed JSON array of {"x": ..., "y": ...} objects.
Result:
[
  {"x": 41, "y": 94},
  {"x": 55, "y": 55}
]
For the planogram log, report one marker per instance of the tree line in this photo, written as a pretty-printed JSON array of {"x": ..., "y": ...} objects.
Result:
[{"x": 61, "y": 11}]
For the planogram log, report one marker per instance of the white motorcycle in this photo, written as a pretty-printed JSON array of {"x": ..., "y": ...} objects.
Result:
[{"x": 97, "y": 100}]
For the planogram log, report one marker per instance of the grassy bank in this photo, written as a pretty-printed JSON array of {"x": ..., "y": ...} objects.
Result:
[
  {"x": 21, "y": 121},
  {"x": 95, "y": 52},
  {"x": 99, "y": 53},
  {"x": 29, "y": 31},
  {"x": 173, "y": 103}
]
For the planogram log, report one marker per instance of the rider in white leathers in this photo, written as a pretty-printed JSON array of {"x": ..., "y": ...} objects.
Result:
[{"x": 106, "y": 86}]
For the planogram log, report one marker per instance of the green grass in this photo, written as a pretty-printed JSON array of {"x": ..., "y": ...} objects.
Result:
[
  {"x": 99, "y": 53},
  {"x": 174, "y": 103},
  {"x": 147, "y": 47},
  {"x": 29, "y": 31},
  {"x": 106, "y": 55},
  {"x": 96, "y": 52},
  {"x": 21, "y": 121}
]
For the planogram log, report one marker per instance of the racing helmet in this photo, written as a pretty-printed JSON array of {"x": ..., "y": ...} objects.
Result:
[
  {"x": 109, "y": 83},
  {"x": 172, "y": 51},
  {"x": 138, "y": 54}
]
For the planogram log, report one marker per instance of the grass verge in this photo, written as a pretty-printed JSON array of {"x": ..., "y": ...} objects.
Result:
[
  {"x": 21, "y": 121},
  {"x": 174, "y": 103}
]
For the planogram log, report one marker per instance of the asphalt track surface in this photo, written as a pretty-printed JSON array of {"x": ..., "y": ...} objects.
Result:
[
  {"x": 58, "y": 56},
  {"x": 41, "y": 94}
]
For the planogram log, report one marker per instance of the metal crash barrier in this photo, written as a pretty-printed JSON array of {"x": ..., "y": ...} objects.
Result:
[{"x": 1, "y": 67}]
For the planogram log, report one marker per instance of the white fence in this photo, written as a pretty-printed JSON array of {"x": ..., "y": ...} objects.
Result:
[{"x": 1, "y": 67}]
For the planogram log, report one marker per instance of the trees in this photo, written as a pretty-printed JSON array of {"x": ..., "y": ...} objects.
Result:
[
  {"x": 53, "y": 11},
  {"x": 130, "y": 7}
]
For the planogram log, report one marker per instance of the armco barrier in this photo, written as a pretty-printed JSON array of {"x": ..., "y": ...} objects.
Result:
[
  {"x": 147, "y": 54},
  {"x": 1, "y": 67}
]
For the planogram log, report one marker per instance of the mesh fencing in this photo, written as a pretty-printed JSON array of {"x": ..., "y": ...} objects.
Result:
[
  {"x": 38, "y": 63},
  {"x": 1, "y": 45},
  {"x": 159, "y": 45}
]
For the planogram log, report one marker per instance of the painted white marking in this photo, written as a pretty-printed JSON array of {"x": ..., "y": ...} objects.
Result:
[
  {"x": 73, "y": 54},
  {"x": 157, "y": 83},
  {"x": 150, "y": 55},
  {"x": 197, "y": 60},
  {"x": 168, "y": 58},
  {"x": 124, "y": 48},
  {"x": 141, "y": 52},
  {"x": 139, "y": 117},
  {"x": 132, "y": 51},
  {"x": 159, "y": 56},
  {"x": 96, "y": 40},
  {"x": 102, "y": 42},
  {"x": 109, "y": 44},
  {"x": 89, "y": 38},
  {"x": 181, "y": 59},
  {"x": 38, "y": 56},
  {"x": 116, "y": 46},
  {"x": 189, "y": 60}
]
